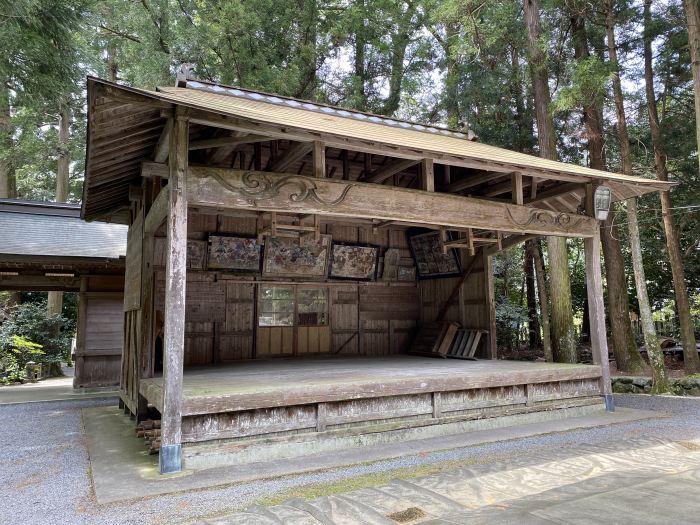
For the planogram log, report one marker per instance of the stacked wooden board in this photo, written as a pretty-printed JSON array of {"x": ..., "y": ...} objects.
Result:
[{"x": 445, "y": 339}]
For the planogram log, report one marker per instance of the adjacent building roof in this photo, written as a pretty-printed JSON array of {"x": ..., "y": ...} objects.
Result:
[
  {"x": 125, "y": 124},
  {"x": 31, "y": 228}
]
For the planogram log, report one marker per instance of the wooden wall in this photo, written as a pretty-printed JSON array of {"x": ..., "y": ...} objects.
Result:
[
  {"x": 368, "y": 318},
  {"x": 474, "y": 305},
  {"x": 99, "y": 336}
]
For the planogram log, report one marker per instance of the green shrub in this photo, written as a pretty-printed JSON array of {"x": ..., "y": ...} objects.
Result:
[
  {"x": 16, "y": 355},
  {"x": 28, "y": 324}
]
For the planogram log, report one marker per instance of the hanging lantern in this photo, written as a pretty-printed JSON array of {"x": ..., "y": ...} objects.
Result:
[{"x": 602, "y": 199}]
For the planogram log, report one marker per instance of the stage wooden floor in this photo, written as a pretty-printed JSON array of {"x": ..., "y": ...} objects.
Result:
[{"x": 283, "y": 382}]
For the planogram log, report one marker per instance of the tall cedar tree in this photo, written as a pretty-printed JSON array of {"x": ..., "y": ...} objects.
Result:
[
  {"x": 651, "y": 340},
  {"x": 690, "y": 352},
  {"x": 627, "y": 355},
  {"x": 562, "y": 323}
]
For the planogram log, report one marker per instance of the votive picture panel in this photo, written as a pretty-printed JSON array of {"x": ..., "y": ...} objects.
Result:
[
  {"x": 358, "y": 262},
  {"x": 290, "y": 257},
  {"x": 241, "y": 254}
]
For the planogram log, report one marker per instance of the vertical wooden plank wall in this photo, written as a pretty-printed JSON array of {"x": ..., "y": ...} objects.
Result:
[
  {"x": 471, "y": 309},
  {"x": 99, "y": 337},
  {"x": 375, "y": 318}
]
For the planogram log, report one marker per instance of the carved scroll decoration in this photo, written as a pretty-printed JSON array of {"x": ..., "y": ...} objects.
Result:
[
  {"x": 561, "y": 221},
  {"x": 258, "y": 187}
]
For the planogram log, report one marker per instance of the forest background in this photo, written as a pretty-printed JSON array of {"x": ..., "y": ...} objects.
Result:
[{"x": 462, "y": 63}]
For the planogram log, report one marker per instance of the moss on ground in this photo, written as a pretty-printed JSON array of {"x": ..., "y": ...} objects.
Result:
[{"x": 317, "y": 490}]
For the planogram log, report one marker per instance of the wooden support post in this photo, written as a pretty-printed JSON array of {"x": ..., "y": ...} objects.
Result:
[
  {"x": 517, "y": 180},
  {"x": 170, "y": 459},
  {"x": 599, "y": 342},
  {"x": 490, "y": 304},
  {"x": 470, "y": 241},
  {"x": 321, "y": 417},
  {"x": 319, "y": 155},
  {"x": 427, "y": 179},
  {"x": 437, "y": 405},
  {"x": 443, "y": 239}
]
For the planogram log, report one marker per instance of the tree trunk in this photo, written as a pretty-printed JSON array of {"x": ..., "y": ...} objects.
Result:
[
  {"x": 452, "y": 77},
  {"x": 563, "y": 341},
  {"x": 534, "y": 337},
  {"x": 359, "y": 82},
  {"x": 8, "y": 187},
  {"x": 690, "y": 352},
  {"x": 693, "y": 21},
  {"x": 651, "y": 340},
  {"x": 54, "y": 305},
  {"x": 534, "y": 248},
  {"x": 654, "y": 352},
  {"x": 625, "y": 349}
]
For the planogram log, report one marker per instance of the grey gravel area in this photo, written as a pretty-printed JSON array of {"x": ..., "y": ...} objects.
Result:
[{"x": 45, "y": 467}]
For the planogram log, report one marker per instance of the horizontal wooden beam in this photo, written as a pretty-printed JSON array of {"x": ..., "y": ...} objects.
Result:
[
  {"x": 28, "y": 283},
  {"x": 290, "y": 193},
  {"x": 230, "y": 142}
]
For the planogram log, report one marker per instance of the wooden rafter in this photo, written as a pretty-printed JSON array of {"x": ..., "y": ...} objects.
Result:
[
  {"x": 291, "y": 155},
  {"x": 389, "y": 170}
]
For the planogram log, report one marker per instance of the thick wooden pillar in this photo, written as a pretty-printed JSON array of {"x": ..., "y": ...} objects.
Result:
[
  {"x": 175, "y": 279},
  {"x": 599, "y": 341}
]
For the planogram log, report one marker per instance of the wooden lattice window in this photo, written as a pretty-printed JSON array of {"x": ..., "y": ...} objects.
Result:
[{"x": 291, "y": 305}]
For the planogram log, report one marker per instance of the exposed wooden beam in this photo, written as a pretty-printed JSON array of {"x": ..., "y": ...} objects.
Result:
[
  {"x": 510, "y": 241},
  {"x": 501, "y": 188},
  {"x": 389, "y": 170},
  {"x": 170, "y": 458},
  {"x": 229, "y": 142},
  {"x": 470, "y": 182},
  {"x": 427, "y": 178},
  {"x": 517, "y": 182},
  {"x": 291, "y": 193},
  {"x": 39, "y": 283},
  {"x": 319, "y": 159},
  {"x": 291, "y": 155},
  {"x": 556, "y": 192},
  {"x": 596, "y": 308},
  {"x": 367, "y": 145},
  {"x": 455, "y": 291},
  {"x": 163, "y": 146},
  {"x": 157, "y": 213}
]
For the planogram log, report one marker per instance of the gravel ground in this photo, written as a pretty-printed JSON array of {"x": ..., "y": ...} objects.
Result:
[{"x": 45, "y": 467}]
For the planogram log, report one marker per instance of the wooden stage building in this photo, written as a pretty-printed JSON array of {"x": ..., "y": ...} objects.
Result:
[
  {"x": 285, "y": 258},
  {"x": 45, "y": 246}
]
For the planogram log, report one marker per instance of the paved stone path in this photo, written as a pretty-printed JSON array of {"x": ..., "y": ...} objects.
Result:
[{"x": 611, "y": 482}]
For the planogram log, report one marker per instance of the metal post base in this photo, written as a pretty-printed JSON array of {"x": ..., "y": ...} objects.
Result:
[
  {"x": 170, "y": 459},
  {"x": 609, "y": 402}
]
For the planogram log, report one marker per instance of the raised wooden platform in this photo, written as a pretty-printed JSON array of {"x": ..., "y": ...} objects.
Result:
[{"x": 264, "y": 398}]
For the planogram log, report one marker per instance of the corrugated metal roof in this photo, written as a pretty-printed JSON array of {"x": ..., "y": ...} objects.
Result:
[
  {"x": 267, "y": 112},
  {"x": 31, "y": 230}
]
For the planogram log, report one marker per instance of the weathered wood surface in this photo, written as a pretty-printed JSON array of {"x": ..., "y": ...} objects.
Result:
[
  {"x": 594, "y": 287},
  {"x": 252, "y": 385},
  {"x": 132, "y": 276},
  {"x": 284, "y": 192},
  {"x": 175, "y": 277}
]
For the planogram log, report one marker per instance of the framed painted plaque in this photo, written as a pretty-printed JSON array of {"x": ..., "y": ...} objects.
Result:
[
  {"x": 431, "y": 263},
  {"x": 290, "y": 257},
  {"x": 237, "y": 254},
  {"x": 354, "y": 261}
]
